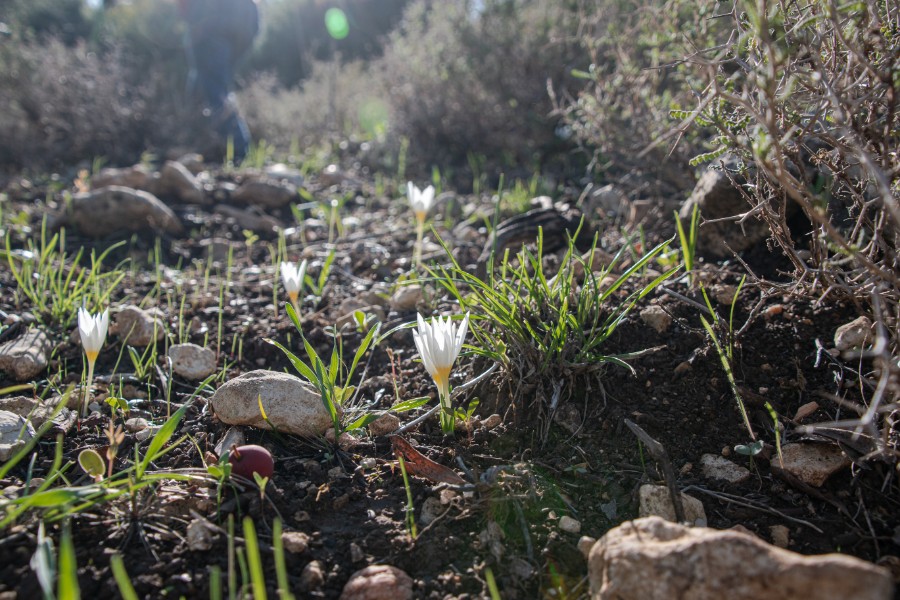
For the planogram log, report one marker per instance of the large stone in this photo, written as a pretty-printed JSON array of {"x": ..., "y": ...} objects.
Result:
[
  {"x": 177, "y": 181},
  {"x": 656, "y": 501},
  {"x": 137, "y": 327},
  {"x": 115, "y": 209},
  {"x": 15, "y": 431},
  {"x": 36, "y": 411},
  {"x": 268, "y": 193},
  {"x": 138, "y": 177},
  {"x": 248, "y": 219},
  {"x": 718, "y": 198},
  {"x": 25, "y": 357},
  {"x": 292, "y": 405},
  {"x": 813, "y": 463},
  {"x": 192, "y": 361},
  {"x": 378, "y": 582},
  {"x": 653, "y": 559}
]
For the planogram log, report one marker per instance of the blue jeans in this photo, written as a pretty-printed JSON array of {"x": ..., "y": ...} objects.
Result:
[{"x": 213, "y": 67}]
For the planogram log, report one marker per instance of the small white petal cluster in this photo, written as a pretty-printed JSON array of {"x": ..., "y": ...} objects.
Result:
[
  {"x": 420, "y": 200},
  {"x": 292, "y": 275},
  {"x": 93, "y": 331},
  {"x": 439, "y": 343}
]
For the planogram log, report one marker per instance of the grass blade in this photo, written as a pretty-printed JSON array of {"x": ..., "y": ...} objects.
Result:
[
  {"x": 67, "y": 586},
  {"x": 122, "y": 579},
  {"x": 257, "y": 578}
]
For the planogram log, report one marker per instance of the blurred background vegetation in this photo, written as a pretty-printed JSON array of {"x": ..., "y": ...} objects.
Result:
[
  {"x": 577, "y": 90},
  {"x": 474, "y": 87}
]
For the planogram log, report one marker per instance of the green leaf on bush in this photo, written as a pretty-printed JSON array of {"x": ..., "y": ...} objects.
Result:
[{"x": 708, "y": 156}]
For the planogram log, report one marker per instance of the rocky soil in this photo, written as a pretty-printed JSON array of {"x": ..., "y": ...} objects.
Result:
[{"x": 526, "y": 486}]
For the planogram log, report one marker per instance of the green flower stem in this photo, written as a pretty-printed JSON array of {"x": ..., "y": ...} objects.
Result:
[
  {"x": 87, "y": 388},
  {"x": 448, "y": 423},
  {"x": 420, "y": 230}
]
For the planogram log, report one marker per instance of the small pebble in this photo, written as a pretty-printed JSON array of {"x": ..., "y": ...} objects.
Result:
[
  {"x": 492, "y": 421},
  {"x": 313, "y": 576},
  {"x": 569, "y": 525},
  {"x": 295, "y": 542},
  {"x": 356, "y": 553},
  {"x": 136, "y": 424}
]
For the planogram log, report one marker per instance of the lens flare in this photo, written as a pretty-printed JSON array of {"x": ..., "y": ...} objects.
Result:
[{"x": 336, "y": 23}]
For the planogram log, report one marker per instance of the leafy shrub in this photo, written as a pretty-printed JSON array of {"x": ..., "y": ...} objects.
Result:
[
  {"x": 642, "y": 57},
  {"x": 66, "y": 104},
  {"x": 805, "y": 95},
  {"x": 64, "y": 19},
  {"x": 463, "y": 85},
  {"x": 337, "y": 100}
]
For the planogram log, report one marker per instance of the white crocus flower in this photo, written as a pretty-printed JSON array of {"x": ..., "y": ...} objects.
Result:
[
  {"x": 420, "y": 201},
  {"x": 92, "y": 329},
  {"x": 439, "y": 343},
  {"x": 293, "y": 276}
]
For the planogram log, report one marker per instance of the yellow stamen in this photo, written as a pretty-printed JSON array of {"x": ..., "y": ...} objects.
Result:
[
  {"x": 442, "y": 380},
  {"x": 420, "y": 216},
  {"x": 91, "y": 355}
]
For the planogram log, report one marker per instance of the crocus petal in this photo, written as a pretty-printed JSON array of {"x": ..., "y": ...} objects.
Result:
[
  {"x": 104, "y": 325},
  {"x": 427, "y": 197},
  {"x": 92, "y": 329},
  {"x": 301, "y": 274},
  {"x": 292, "y": 276},
  {"x": 461, "y": 335}
]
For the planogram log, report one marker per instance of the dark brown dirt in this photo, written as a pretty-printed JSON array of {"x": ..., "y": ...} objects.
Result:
[{"x": 589, "y": 467}]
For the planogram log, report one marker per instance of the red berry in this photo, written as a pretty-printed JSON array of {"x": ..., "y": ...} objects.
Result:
[{"x": 250, "y": 459}]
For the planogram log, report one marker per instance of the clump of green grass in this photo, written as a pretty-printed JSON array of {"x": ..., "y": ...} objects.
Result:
[
  {"x": 549, "y": 330},
  {"x": 55, "y": 283},
  {"x": 58, "y": 502},
  {"x": 332, "y": 378}
]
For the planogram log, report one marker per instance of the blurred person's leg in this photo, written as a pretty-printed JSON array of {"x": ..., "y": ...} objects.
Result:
[{"x": 215, "y": 60}]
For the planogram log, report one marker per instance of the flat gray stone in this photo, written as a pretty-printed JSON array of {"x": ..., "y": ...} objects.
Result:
[
  {"x": 192, "y": 361},
  {"x": 15, "y": 432},
  {"x": 265, "y": 192},
  {"x": 248, "y": 219},
  {"x": 25, "y": 357},
  {"x": 137, "y": 177},
  {"x": 177, "y": 181},
  {"x": 36, "y": 411},
  {"x": 855, "y": 334},
  {"x": 116, "y": 209},
  {"x": 291, "y": 404},
  {"x": 137, "y": 327}
]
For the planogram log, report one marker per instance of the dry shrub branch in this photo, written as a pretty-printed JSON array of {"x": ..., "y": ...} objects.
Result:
[{"x": 806, "y": 96}]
